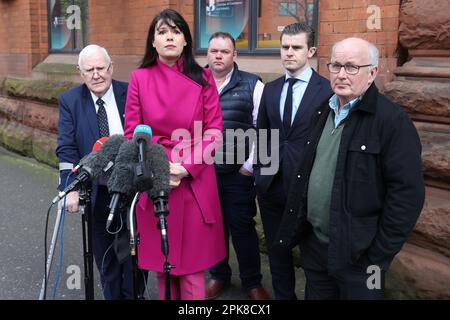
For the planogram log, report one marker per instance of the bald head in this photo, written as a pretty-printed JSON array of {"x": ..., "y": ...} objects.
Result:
[
  {"x": 91, "y": 50},
  {"x": 363, "y": 47},
  {"x": 360, "y": 58}
]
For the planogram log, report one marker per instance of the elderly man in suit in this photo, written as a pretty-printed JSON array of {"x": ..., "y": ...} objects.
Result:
[
  {"x": 287, "y": 105},
  {"x": 87, "y": 112}
]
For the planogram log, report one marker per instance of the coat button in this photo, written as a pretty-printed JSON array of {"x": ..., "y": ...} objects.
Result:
[{"x": 363, "y": 147}]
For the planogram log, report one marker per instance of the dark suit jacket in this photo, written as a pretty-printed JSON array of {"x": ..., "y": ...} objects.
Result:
[
  {"x": 78, "y": 127},
  {"x": 291, "y": 143}
]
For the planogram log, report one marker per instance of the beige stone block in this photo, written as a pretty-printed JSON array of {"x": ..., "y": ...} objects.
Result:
[{"x": 419, "y": 274}]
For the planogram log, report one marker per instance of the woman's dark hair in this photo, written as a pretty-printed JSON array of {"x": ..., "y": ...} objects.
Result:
[{"x": 191, "y": 68}]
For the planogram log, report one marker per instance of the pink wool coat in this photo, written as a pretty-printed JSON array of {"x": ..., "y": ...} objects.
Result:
[{"x": 163, "y": 98}]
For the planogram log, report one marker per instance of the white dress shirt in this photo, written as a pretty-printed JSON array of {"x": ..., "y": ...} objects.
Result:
[
  {"x": 112, "y": 112},
  {"x": 298, "y": 90}
]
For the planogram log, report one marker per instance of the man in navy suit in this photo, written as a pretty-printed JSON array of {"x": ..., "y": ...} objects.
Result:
[
  {"x": 287, "y": 106},
  {"x": 86, "y": 113}
]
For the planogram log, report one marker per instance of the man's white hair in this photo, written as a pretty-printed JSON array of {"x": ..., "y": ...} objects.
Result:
[
  {"x": 373, "y": 51},
  {"x": 373, "y": 55},
  {"x": 89, "y": 49}
]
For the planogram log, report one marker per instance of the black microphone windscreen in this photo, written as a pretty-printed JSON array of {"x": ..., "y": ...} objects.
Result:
[
  {"x": 159, "y": 164},
  {"x": 121, "y": 180},
  {"x": 107, "y": 153}
]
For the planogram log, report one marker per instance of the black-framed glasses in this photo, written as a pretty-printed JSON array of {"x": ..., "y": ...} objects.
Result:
[
  {"x": 101, "y": 71},
  {"x": 334, "y": 67}
]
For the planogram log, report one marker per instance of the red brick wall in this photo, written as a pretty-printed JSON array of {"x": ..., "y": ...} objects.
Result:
[
  {"x": 15, "y": 37},
  {"x": 122, "y": 26},
  {"x": 125, "y": 34},
  {"x": 39, "y": 31},
  {"x": 23, "y": 36},
  {"x": 339, "y": 19}
]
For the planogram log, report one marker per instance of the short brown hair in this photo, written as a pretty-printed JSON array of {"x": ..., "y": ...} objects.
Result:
[
  {"x": 225, "y": 35},
  {"x": 300, "y": 27}
]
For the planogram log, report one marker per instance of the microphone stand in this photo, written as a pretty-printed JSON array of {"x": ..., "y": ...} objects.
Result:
[
  {"x": 50, "y": 254},
  {"x": 161, "y": 210},
  {"x": 84, "y": 205},
  {"x": 134, "y": 242}
]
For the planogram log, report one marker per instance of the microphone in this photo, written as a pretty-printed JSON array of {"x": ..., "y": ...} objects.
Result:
[
  {"x": 142, "y": 135},
  {"x": 97, "y": 145},
  {"x": 159, "y": 193},
  {"x": 121, "y": 182},
  {"x": 95, "y": 164},
  {"x": 143, "y": 178}
]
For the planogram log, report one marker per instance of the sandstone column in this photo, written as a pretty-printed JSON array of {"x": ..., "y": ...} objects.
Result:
[{"x": 422, "y": 87}]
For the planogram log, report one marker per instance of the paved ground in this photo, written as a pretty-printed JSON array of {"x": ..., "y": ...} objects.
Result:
[{"x": 27, "y": 188}]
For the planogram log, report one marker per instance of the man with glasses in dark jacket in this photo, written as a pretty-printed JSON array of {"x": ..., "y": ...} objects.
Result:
[{"x": 359, "y": 190}]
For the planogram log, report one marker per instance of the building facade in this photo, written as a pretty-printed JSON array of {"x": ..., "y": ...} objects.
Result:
[
  {"x": 53, "y": 31},
  {"x": 40, "y": 39}
]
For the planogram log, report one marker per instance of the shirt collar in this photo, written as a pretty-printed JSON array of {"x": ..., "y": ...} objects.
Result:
[
  {"x": 106, "y": 97},
  {"x": 226, "y": 82},
  {"x": 334, "y": 103},
  {"x": 229, "y": 74},
  {"x": 305, "y": 76}
]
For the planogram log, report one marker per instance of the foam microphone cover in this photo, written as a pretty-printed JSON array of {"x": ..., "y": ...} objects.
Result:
[
  {"x": 100, "y": 159},
  {"x": 159, "y": 164},
  {"x": 121, "y": 179},
  {"x": 99, "y": 143}
]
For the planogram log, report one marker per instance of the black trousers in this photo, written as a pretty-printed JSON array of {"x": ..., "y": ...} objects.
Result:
[
  {"x": 350, "y": 283},
  {"x": 116, "y": 278},
  {"x": 271, "y": 205},
  {"x": 238, "y": 202}
]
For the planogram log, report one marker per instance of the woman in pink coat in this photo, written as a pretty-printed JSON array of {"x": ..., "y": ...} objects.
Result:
[{"x": 178, "y": 99}]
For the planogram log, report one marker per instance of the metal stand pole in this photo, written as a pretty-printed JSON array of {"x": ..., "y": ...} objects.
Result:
[
  {"x": 86, "y": 217},
  {"x": 162, "y": 225},
  {"x": 50, "y": 254},
  {"x": 161, "y": 211},
  {"x": 134, "y": 242}
]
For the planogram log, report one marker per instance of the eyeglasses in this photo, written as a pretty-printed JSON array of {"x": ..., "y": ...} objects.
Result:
[
  {"x": 349, "y": 68},
  {"x": 100, "y": 71}
]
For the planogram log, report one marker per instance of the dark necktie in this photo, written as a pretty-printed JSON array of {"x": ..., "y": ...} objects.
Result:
[
  {"x": 287, "y": 114},
  {"x": 102, "y": 119}
]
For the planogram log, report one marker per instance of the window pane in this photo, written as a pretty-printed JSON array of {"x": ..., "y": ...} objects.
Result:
[
  {"x": 274, "y": 15},
  {"x": 80, "y": 32},
  {"x": 67, "y": 23},
  {"x": 287, "y": 9},
  {"x": 224, "y": 15}
]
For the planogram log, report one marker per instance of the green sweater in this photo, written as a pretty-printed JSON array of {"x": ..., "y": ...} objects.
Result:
[{"x": 321, "y": 179}]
